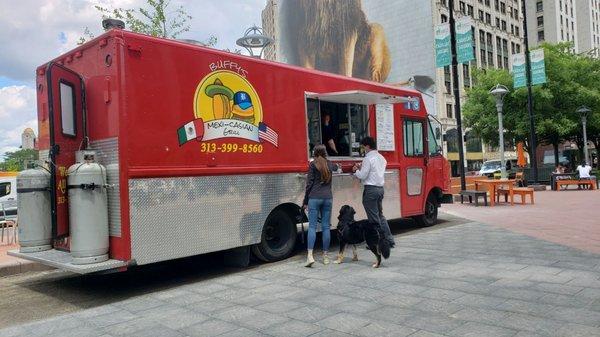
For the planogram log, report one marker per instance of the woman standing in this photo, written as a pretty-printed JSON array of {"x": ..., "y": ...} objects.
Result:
[{"x": 319, "y": 199}]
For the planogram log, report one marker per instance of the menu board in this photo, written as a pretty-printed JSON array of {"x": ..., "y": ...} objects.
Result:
[{"x": 384, "y": 116}]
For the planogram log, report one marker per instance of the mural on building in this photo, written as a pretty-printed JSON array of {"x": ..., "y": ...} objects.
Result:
[{"x": 334, "y": 36}]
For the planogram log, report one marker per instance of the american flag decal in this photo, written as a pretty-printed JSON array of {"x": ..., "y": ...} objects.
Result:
[{"x": 267, "y": 134}]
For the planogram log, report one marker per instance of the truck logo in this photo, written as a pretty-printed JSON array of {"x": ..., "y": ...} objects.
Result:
[{"x": 227, "y": 106}]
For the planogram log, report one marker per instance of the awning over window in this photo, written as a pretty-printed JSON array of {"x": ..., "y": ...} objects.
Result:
[{"x": 360, "y": 97}]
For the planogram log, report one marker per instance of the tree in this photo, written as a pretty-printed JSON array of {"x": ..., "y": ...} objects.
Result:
[
  {"x": 155, "y": 20},
  {"x": 572, "y": 81},
  {"x": 18, "y": 160}
]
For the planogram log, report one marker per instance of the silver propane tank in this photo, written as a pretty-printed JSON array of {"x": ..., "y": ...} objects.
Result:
[
  {"x": 34, "y": 210},
  {"x": 88, "y": 211}
]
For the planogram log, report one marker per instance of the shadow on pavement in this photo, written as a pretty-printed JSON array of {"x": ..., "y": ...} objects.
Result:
[{"x": 88, "y": 291}]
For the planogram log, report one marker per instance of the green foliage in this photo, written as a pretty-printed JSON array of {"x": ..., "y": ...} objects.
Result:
[
  {"x": 572, "y": 81},
  {"x": 156, "y": 19},
  {"x": 18, "y": 160}
]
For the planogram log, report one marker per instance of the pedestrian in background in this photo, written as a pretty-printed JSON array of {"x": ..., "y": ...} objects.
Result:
[
  {"x": 318, "y": 199},
  {"x": 584, "y": 171},
  {"x": 371, "y": 172}
]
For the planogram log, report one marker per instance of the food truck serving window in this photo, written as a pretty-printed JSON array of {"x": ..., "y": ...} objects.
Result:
[
  {"x": 339, "y": 120},
  {"x": 339, "y": 126}
]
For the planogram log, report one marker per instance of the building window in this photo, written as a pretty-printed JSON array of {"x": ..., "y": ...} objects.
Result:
[
  {"x": 462, "y": 7},
  {"x": 539, "y": 6},
  {"x": 498, "y": 23},
  {"x": 487, "y": 3},
  {"x": 483, "y": 59},
  {"x": 516, "y": 13},
  {"x": 517, "y": 30},
  {"x": 444, "y": 18},
  {"x": 490, "y": 58},
  {"x": 496, "y": 5},
  {"x": 470, "y": 10},
  {"x": 449, "y": 110},
  {"x": 447, "y": 81},
  {"x": 518, "y": 48},
  {"x": 466, "y": 75},
  {"x": 503, "y": 25},
  {"x": 541, "y": 35},
  {"x": 488, "y": 18},
  {"x": 480, "y": 15},
  {"x": 540, "y": 21},
  {"x": 502, "y": 8}
]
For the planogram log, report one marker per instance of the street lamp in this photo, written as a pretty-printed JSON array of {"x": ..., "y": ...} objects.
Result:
[
  {"x": 584, "y": 112},
  {"x": 499, "y": 91},
  {"x": 254, "y": 41}
]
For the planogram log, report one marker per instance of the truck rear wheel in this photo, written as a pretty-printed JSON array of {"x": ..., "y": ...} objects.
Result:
[
  {"x": 429, "y": 218},
  {"x": 278, "y": 238}
]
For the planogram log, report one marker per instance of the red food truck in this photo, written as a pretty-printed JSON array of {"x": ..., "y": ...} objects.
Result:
[{"x": 206, "y": 150}]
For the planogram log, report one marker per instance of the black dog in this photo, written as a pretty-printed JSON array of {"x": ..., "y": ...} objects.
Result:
[{"x": 355, "y": 232}]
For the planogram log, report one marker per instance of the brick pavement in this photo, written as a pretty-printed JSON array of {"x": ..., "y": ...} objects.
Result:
[
  {"x": 569, "y": 217},
  {"x": 469, "y": 279}
]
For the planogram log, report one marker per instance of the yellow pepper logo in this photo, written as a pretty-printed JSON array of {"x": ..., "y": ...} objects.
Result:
[{"x": 226, "y": 106}]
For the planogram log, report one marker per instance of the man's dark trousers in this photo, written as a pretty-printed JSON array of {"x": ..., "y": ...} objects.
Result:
[{"x": 372, "y": 201}]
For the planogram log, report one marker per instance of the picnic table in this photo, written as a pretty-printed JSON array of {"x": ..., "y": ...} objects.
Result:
[{"x": 493, "y": 184}]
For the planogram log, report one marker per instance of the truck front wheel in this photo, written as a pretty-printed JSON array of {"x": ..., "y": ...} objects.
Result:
[
  {"x": 278, "y": 238},
  {"x": 429, "y": 218}
]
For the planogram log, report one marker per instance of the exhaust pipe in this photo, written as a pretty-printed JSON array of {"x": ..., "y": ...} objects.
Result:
[{"x": 109, "y": 24}]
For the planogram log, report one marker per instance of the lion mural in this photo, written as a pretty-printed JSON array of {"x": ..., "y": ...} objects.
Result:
[{"x": 334, "y": 36}]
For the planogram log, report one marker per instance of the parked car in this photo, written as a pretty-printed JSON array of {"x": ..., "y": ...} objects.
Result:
[
  {"x": 493, "y": 166},
  {"x": 8, "y": 196}
]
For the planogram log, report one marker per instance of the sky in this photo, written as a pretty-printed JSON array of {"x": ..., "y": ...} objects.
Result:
[{"x": 33, "y": 32}]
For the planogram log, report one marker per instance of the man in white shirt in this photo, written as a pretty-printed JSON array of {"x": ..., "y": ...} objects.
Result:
[
  {"x": 371, "y": 173},
  {"x": 584, "y": 173}
]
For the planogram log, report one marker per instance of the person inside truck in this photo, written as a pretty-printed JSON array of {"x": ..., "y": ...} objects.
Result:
[{"x": 328, "y": 135}]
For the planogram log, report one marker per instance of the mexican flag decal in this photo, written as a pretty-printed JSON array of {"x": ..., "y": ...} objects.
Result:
[{"x": 191, "y": 130}]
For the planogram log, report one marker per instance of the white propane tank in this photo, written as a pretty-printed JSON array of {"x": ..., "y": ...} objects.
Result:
[
  {"x": 33, "y": 208},
  {"x": 88, "y": 213}
]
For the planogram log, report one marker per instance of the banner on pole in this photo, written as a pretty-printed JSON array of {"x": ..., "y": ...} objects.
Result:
[
  {"x": 443, "y": 53},
  {"x": 538, "y": 67},
  {"x": 464, "y": 40},
  {"x": 519, "y": 77}
]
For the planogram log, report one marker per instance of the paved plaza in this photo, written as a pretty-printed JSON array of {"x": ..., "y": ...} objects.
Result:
[{"x": 460, "y": 278}]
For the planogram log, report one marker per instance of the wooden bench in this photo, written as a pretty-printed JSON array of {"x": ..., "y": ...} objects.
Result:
[
  {"x": 567, "y": 182},
  {"x": 520, "y": 191},
  {"x": 473, "y": 194},
  {"x": 523, "y": 192}
]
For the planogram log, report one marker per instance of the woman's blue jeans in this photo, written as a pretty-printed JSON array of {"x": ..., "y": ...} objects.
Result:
[{"x": 316, "y": 206}]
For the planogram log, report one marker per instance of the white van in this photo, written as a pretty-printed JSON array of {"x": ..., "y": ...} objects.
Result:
[{"x": 8, "y": 197}]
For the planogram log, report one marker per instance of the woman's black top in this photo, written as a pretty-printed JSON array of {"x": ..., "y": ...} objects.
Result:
[{"x": 315, "y": 189}]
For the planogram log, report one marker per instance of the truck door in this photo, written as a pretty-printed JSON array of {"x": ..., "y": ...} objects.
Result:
[
  {"x": 413, "y": 166},
  {"x": 66, "y": 102}
]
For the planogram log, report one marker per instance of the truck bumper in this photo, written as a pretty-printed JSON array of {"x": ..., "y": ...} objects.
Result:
[{"x": 62, "y": 260}]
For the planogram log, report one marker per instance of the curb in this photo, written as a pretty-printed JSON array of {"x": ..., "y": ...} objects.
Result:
[{"x": 19, "y": 266}]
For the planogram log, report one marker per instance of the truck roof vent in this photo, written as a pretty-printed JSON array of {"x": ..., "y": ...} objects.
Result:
[{"x": 109, "y": 24}]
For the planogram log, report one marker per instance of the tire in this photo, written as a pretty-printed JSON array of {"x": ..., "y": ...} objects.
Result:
[
  {"x": 278, "y": 238},
  {"x": 431, "y": 213}
]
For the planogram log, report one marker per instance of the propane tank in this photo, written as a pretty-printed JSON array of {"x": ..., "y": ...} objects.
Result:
[
  {"x": 33, "y": 208},
  {"x": 88, "y": 212}
]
